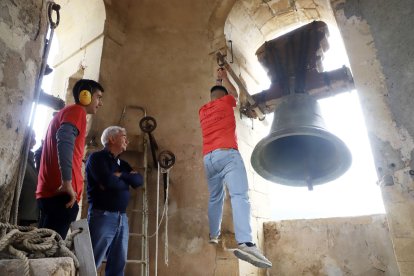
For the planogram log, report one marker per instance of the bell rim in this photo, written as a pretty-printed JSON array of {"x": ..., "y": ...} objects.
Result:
[{"x": 303, "y": 130}]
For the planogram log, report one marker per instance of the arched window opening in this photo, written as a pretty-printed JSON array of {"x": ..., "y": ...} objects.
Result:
[{"x": 356, "y": 192}]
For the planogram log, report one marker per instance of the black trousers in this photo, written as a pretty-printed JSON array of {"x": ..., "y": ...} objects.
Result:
[
  {"x": 54, "y": 214},
  {"x": 24, "y": 222}
]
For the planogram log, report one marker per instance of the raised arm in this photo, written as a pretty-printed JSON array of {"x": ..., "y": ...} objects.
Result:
[{"x": 225, "y": 81}]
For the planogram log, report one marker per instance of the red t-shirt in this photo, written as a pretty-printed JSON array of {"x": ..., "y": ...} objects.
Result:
[
  {"x": 218, "y": 124},
  {"x": 49, "y": 179}
]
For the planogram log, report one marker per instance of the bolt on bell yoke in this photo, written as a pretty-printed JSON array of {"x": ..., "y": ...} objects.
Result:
[{"x": 299, "y": 150}]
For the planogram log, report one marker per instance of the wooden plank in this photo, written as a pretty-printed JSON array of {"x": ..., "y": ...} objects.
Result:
[{"x": 83, "y": 248}]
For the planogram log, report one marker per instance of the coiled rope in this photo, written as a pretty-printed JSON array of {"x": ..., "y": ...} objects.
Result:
[{"x": 27, "y": 242}]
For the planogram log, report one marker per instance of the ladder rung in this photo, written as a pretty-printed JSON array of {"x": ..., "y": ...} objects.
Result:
[
  {"x": 135, "y": 235},
  {"x": 136, "y": 262}
]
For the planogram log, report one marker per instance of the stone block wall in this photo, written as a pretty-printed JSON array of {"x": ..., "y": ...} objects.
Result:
[
  {"x": 378, "y": 38},
  {"x": 334, "y": 246},
  {"x": 22, "y": 30},
  {"x": 39, "y": 267}
]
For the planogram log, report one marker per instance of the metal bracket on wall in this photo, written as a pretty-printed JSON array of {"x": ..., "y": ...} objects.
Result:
[{"x": 231, "y": 50}]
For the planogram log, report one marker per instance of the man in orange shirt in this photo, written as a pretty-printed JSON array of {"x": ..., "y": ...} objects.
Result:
[
  {"x": 60, "y": 180},
  {"x": 224, "y": 166}
]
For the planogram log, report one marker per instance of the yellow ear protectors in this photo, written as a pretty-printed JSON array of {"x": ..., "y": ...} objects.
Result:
[{"x": 85, "y": 97}]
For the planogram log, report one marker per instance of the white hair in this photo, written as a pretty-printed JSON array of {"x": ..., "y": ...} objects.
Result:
[{"x": 110, "y": 132}]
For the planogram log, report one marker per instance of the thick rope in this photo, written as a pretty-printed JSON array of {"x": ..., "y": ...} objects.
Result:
[
  {"x": 164, "y": 213},
  {"x": 26, "y": 242},
  {"x": 20, "y": 254},
  {"x": 165, "y": 209}
]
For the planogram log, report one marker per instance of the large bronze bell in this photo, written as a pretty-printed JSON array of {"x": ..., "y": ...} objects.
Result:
[{"x": 299, "y": 151}]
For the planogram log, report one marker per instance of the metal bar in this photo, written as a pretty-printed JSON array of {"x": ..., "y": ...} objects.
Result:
[
  {"x": 51, "y": 6},
  {"x": 144, "y": 228},
  {"x": 135, "y": 234},
  {"x": 132, "y": 107},
  {"x": 137, "y": 262},
  {"x": 144, "y": 211},
  {"x": 231, "y": 50}
]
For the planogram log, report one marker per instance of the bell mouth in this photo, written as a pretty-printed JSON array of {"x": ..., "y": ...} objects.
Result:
[{"x": 300, "y": 156}]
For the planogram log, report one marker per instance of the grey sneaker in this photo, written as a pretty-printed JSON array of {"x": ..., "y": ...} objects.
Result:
[
  {"x": 252, "y": 255},
  {"x": 213, "y": 240}
]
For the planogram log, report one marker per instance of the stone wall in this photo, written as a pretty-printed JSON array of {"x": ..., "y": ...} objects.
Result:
[
  {"x": 63, "y": 266},
  {"x": 159, "y": 54},
  {"x": 378, "y": 39},
  {"x": 79, "y": 45},
  {"x": 22, "y": 30},
  {"x": 163, "y": 65},
  {"x": 335, "y": 246}
]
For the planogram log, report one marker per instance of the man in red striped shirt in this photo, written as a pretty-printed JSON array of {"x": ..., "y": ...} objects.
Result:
[{"x": 224, "y": 167}]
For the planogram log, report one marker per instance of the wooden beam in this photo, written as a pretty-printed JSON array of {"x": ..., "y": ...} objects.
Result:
[
  {"x": 83, "y": 248},
  {"x": 318, "y": 85}
]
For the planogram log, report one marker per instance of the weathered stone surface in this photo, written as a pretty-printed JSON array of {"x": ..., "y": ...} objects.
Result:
[
  {"x": 404, "y": 249},
  {"x": 376, "y": 35},
  {"x": 406, "y": 268},
  {"x": 158, "y": 54},
  {"x": 337, "y": 246},
  {"x": 22, "y": 28},
  {"x": 39, "y": 267}
]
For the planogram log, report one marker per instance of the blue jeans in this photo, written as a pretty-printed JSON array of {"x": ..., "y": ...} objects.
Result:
[
  {"x": 226, "y": 167},
  {"x": 109, "y": 236}
]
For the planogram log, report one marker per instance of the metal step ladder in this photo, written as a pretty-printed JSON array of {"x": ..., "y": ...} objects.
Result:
[{"x": 134, "y": 213}]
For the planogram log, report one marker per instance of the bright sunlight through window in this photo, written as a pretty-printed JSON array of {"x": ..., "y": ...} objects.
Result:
[{"x": 43, "y": 112}]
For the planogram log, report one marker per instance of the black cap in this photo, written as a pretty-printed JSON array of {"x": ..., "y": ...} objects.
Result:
[{"x": 219, "y": 87}]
